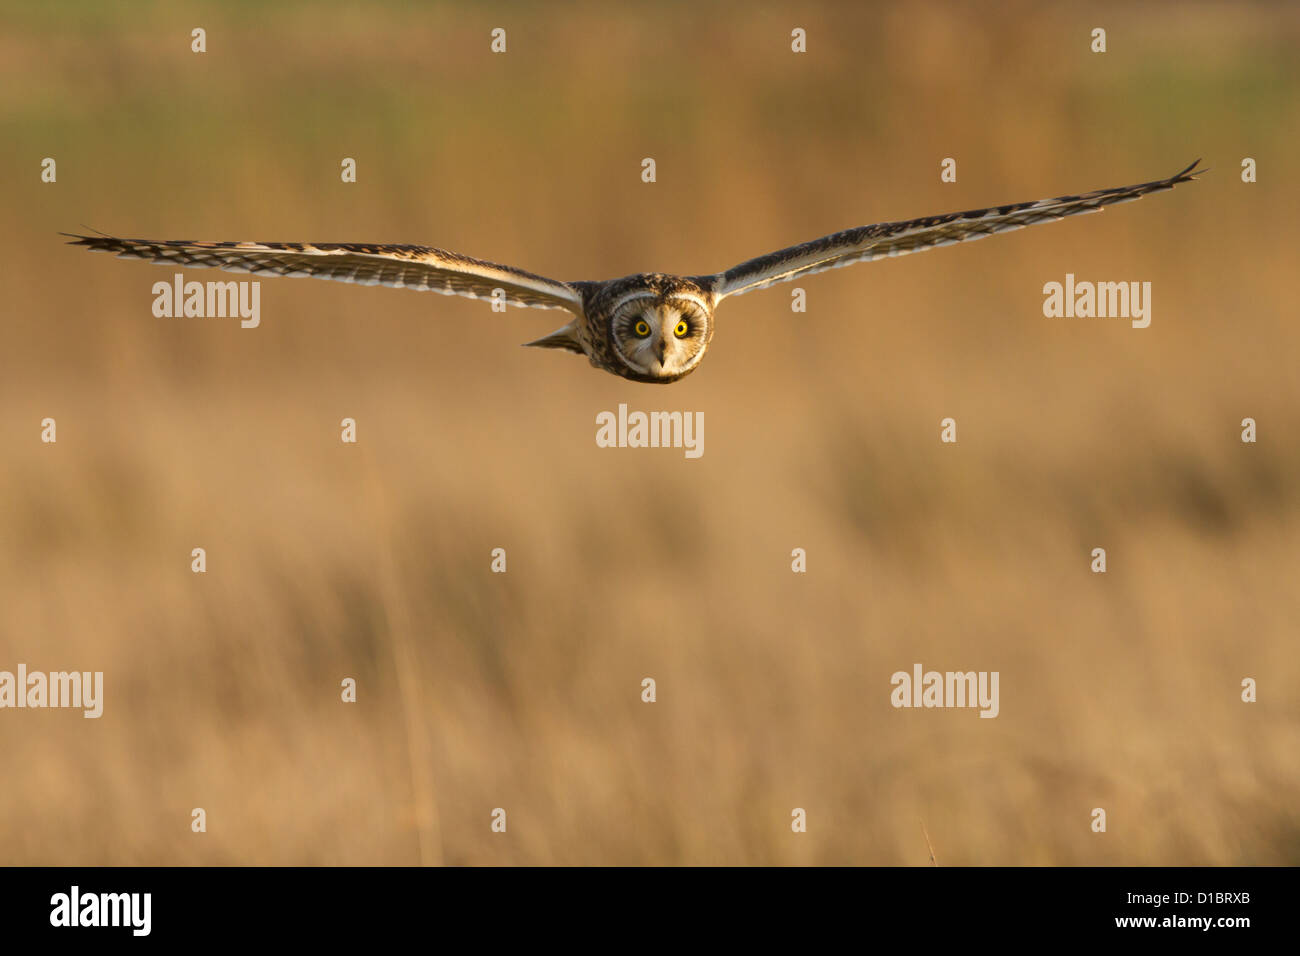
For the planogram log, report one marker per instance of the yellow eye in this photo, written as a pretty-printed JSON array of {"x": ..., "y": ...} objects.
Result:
[
  {"x": 682, "y": 329},
  {"x": 641, "y": 329}
]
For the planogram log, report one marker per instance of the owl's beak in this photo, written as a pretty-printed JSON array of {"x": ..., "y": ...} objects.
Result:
[{"x": 661, "y": 349}]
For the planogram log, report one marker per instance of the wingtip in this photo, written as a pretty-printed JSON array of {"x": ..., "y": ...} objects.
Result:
[
  {"x": 1188, "y": 174},
  {"x": 85, "y": 239}
]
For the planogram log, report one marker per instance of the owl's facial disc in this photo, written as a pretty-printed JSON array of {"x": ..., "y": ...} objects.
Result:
[{"x": 661, "y": 339}]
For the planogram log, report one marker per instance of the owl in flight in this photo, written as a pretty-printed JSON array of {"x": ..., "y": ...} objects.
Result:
[{"x": 650, "y": 327}]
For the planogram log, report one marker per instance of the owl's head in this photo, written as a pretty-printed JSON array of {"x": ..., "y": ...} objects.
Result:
[{"x": 661, "y": 338}]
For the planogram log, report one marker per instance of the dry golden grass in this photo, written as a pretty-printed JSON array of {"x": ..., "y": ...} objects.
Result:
[{"x": 522, "y": 691}]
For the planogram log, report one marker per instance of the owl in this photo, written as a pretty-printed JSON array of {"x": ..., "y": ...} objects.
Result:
[{"x": 649, "y": 327}]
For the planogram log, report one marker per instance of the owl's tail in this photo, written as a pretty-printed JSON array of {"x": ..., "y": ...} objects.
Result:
[{"x": 565, "y": 337}]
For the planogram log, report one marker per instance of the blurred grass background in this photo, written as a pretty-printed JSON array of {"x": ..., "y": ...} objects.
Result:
[{"x": 522, "y": 691}]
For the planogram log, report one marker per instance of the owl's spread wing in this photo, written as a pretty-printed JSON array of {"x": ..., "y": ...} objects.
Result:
[
  {"x": 403, "y": 267},
  {"x": 900, "y": 238}
]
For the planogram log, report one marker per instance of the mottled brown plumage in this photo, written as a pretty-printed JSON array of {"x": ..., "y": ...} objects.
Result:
[{"x": 649, "y": 327}]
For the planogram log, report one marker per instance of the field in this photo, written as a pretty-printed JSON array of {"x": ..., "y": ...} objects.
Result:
[{"x": 522, "y": 690}]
